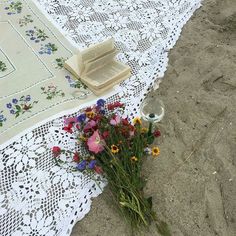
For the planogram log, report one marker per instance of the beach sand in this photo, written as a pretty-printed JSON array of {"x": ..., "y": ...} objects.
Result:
[{"x": 193, "y": 181}]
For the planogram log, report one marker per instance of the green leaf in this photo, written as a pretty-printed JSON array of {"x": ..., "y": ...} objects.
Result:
[{"x": 18, "y": 108}]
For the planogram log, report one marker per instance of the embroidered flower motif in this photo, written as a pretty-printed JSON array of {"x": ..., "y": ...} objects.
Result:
[
  {"x": 3, "y": 66},
  {"x": 81, "y": 13},
  {"x": 48, "y": 48},
  {"x": 141, "y": 58},
  {"x": 117, "y": 21},
  {"x": 28, "y": 185},
  {"x": 131, "y": 5},
  {"x": 151, "y": 31},
  {"x": 24, "y": 152},
  {"x": 64, "y": 177},
  {"x": 36, "y": 35},
  {"x": 59, "y": 62},
  {"x": 25, "y": 20},
  {"x": 90, "y": 28},
  {"x": 2, "y": 119},
  {"x": 19, "y": 107},
  {"x": 38, "y": 224},
  {"x": 14, "y": 8},
  {"x": 51, "y": 91},
  {"x": 75, "y": 83}
]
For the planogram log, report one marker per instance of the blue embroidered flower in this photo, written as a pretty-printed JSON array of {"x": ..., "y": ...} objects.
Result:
[
  {"x": 101, "y": 102},
  {"x": 2, "y": 118},
  {"x": 92, "y": 164},
  {"x": 9, "y": 105},
  {"x": 81, "y": 118},
  {"x": 81, "y": 165},
  {"x": 12, "y": 111},
  {"x": 28, "y": 98},
  {"x": 14, "y": 101}
]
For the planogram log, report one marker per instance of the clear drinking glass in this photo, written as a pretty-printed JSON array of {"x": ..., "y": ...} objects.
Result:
[{"x": 152, "y": 109}]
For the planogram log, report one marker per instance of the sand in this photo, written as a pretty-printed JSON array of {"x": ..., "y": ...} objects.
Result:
[{"x": 193, "y": 182}]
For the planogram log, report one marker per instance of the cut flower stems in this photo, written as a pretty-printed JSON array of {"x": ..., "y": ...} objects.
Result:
[{"x": 116, "y": 148}]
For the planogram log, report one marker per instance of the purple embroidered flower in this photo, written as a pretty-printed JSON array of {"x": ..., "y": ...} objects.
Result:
[
  {"x": 12, "y": 111},
  {"x": 101, "y": 102},
  {"x": 81, "y": 118},
  {"x": 9, "y": 105},
  {"x": 27, "y": 98},
  {"x": 92, "y": 164},
  {"x": 81, "y": 165},
  {"x": 14, "y": 101},
  {"x": 102, "y": 111}
]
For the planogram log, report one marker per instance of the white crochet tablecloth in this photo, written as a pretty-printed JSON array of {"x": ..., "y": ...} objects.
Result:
[{"x": 36, "y": 196}]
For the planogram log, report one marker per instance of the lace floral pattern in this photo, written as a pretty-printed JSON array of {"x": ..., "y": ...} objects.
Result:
[
  {"x": 143, "y": 30},
  {"x": 38, "y": 196}
]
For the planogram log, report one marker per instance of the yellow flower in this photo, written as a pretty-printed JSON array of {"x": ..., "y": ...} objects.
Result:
[
  {"x": 144, "y": 130},
  {"x": 155, "y": 151},
  {"x": 134, "y": 158},
  {"x": 82, "y": 138},
  {"x": 90, "y": 114},
  {"x": 137, "y": 120},
  {"x": 114, "y": 149}
]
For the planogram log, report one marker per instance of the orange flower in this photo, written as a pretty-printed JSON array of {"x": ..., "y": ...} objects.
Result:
[
  {"x": 134, "y": 158},
  {"x": 144, "y": 130},
  {"x": 137, "y": 120},
  {"x": 114, "y": 149},
  {"x": 155, "y": 151},
  {"x": 90, "y": 114}
]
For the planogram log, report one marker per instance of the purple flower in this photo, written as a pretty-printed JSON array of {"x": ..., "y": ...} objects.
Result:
[
  {"x": 101, "y": 102},
  {"x": 28, "y": 98},
  {"x": 12, "y": 111},
  {"x": 92, "y": 164},
  {"x": 81, "y": 165},
  {"x": 81, "y": 118},
  {"x": 14, "y": 100},
  {"x": 102, "y": 111},
  {"x": 9, "y": 105}
]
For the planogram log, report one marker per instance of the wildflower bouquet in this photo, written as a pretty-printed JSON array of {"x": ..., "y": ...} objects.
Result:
[{"x": 116, "y": 149}]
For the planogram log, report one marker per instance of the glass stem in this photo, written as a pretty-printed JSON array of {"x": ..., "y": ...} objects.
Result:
[{"x": 150, "y": 128}]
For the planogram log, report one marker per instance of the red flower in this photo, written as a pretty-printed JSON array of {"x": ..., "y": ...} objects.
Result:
[
  {"x": 77, "y": 126},
  {"x": 105, "y": 134},
  {"x": 68, "y": 128},
  {"x": 56, "y": 151},
  {"x": 98, "y": 169},
  {"x": 97, "y": 117},
  {"x": 125, "y": 122},
  {"x": 110, "y": 107},
  {"x": 76, "y": 157},
  {"x": 118, "y": 104},
  {"x": 88, "y": 109},
  {"x": 157, "y": 133}
]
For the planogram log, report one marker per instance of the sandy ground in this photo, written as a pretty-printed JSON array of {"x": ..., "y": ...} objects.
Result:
[{"x": 193, "y": 182}]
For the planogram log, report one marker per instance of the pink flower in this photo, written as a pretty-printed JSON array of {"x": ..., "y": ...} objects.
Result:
[
  {"x": 116, "y": 120},
  {"x": 95, "y": 143},
  {"x": 98, "y": 169},
  {"x": 70, "y": 120},
  {"x": 91, "y": 124}
]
